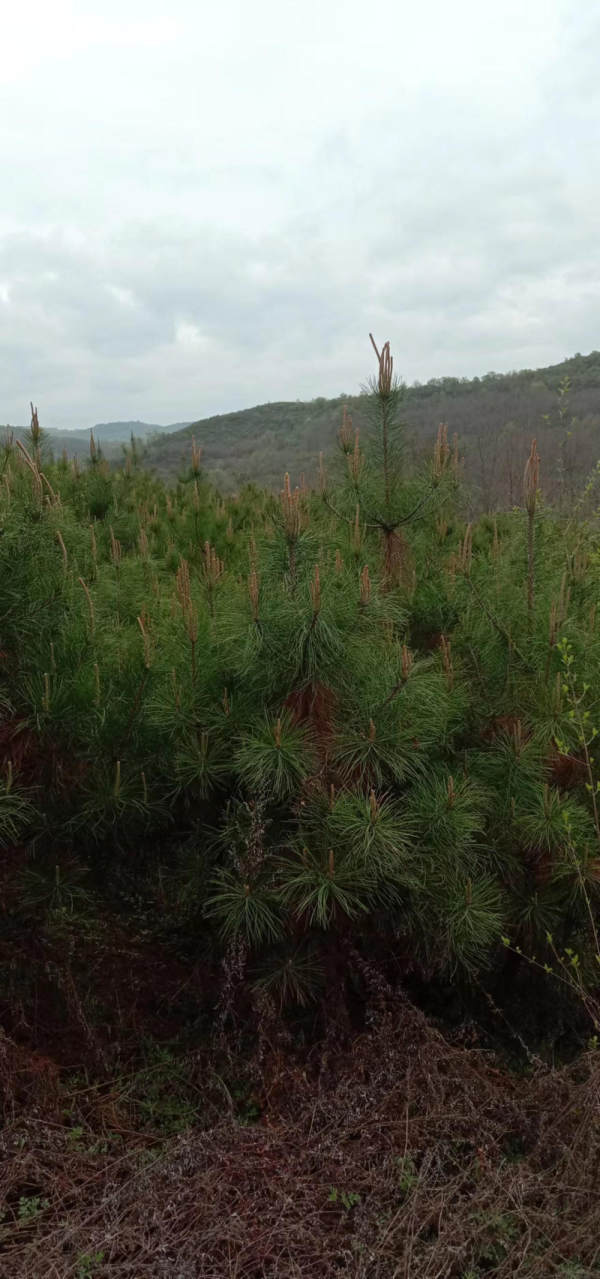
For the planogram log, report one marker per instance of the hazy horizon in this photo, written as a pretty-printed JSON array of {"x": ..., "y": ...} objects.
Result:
[{"x": 149, "y": 420}]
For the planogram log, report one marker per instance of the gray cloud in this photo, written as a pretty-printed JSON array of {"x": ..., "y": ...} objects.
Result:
[{"x": 209, "y": 211}]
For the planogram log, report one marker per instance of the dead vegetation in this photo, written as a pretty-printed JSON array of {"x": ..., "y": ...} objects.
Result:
[{"x": 401, "y": 1156}]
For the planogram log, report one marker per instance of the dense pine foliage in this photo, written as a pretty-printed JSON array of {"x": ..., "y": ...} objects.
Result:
[{"x": 299, "y": 732}]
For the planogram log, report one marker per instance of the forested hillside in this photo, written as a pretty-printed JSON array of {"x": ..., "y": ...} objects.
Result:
[
  {"x": 299, "y": 956},
  {"x": 494, "y": 416}
]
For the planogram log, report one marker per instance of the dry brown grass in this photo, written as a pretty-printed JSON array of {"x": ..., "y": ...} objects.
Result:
[{"x": 404, "y": 1156}]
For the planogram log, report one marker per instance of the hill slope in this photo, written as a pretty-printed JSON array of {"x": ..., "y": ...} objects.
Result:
[{"x": 494, "y": 416}]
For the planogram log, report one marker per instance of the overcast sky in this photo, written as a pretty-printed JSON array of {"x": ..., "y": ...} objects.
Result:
[{"x": 204, "y": 207}]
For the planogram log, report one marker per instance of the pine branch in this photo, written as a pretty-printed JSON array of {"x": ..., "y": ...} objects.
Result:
[{"x": 512, "y": 647}]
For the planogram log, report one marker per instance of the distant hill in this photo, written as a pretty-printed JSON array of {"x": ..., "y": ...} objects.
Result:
[
  {"x": 495, "y": 417},
  {"x": 108, "y": 434},
  {"x": 122, "y": 431}
]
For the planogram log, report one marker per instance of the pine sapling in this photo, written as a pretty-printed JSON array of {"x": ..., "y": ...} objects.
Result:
[{"x": 530, "y": 491}]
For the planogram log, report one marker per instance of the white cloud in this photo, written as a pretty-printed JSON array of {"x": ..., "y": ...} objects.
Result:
[
  {"x": 211, "y": 208},
  {"x": 123, "y": 296},
  {"x": 189, "y": 336}
]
